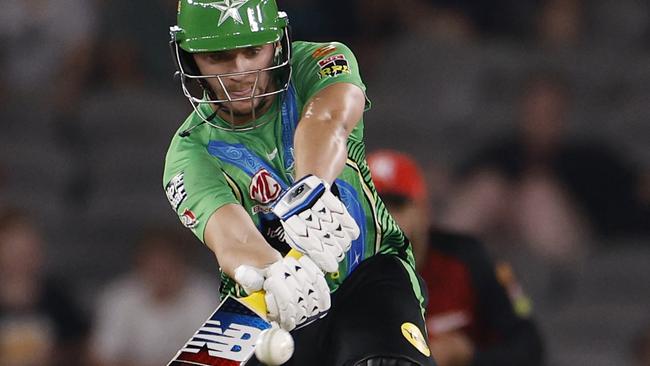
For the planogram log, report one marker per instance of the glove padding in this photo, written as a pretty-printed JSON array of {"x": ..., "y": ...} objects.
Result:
[
  {"x": 316, "y": 223},
  {"x": 296, "y": 290}
]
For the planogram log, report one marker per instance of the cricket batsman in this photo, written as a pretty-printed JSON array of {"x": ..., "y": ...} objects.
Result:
[{"x": 273, "y": 158}]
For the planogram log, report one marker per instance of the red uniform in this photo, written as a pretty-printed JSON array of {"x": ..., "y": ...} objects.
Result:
[{"x": 465, "y": 295}]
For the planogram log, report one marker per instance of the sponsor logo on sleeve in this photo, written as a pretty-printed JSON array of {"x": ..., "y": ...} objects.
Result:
[
  {"x": 323, "y": 51},
  {"x": 333, "y": 66},
  {"x": 175, "y": 191},
  {"x": 264, "y": 188},
  {"x": 414, "y": 336},
  {"x": 188, "y": 218}
]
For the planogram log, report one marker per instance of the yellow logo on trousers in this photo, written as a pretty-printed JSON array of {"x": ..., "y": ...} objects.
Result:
[{"x": 412, "y": 334}]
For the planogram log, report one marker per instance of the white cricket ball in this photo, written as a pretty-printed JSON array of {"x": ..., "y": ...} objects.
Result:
[{"x": 274, "y": 346}]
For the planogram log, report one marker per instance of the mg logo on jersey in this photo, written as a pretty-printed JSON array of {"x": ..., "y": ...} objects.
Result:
[{"x": 264, "y": 188}]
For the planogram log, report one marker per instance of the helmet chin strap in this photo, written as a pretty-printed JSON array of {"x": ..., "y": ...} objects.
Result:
[{"x": 188, "y": 131}]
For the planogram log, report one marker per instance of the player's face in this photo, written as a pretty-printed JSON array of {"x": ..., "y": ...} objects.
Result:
[{"x": 239, "y": 86}]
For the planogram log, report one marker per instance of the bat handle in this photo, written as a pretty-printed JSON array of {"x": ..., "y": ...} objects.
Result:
[{"x": 256, "y": 300}]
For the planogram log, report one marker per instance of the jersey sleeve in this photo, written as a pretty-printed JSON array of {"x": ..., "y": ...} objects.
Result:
[
  {"x": 318, "y": 65},
  {"x": 195, "y": 184}
]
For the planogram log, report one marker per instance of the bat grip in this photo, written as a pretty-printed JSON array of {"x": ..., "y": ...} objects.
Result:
[{"x": 256, "y": 300}]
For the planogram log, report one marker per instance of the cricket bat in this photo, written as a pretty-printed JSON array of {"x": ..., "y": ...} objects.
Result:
[{"x": 228, "y": 337}]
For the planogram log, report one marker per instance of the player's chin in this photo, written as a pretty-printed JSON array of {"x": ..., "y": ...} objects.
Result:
[
  {"x": 237, "y": 112},
  {"x": 243, "y": 105}
]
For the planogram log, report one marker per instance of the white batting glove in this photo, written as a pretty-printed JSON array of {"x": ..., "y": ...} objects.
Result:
[
  {"x": 316, "y": 223},
  {"x": 296, "y": 290}
]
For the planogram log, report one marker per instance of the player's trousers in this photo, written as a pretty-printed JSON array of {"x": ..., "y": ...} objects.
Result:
[{"x": 374, "y": 314}]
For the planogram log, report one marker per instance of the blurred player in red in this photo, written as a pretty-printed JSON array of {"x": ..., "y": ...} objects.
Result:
[{"x": 476, "y": 312}]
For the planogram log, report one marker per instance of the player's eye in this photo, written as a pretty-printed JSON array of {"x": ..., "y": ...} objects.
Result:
[
  {"x": 253, "y": 51},
  {"x": 216, "y": 56}
]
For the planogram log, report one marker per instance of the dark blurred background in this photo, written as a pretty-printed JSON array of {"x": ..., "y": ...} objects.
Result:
[{"x": 531, "y": 117}]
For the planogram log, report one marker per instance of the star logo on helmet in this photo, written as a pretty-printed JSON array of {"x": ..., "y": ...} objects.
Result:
[{"x": 229, "y": 9}]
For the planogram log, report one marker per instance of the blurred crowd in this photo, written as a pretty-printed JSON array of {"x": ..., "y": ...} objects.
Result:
[{"x": 88, "y": 104}]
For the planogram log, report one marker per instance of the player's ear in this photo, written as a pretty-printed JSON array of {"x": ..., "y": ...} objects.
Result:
[{"x": 278, "y": 52}]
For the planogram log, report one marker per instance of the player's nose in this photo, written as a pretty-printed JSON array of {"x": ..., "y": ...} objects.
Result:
[
  {"x": 240, "y": 63},
  {"x": 239, "y": 67}
]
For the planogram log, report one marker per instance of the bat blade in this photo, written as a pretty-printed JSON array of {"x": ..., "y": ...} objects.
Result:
[{"x": 227, "y": 338}]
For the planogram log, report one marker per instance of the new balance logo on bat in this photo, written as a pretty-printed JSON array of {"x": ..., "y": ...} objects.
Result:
[
  {"x": 227, "y": 338},
  {"x": 234, "y": 342}
]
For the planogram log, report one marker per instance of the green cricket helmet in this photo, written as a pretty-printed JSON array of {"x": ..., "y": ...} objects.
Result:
[{"x": 212, "y": 26}]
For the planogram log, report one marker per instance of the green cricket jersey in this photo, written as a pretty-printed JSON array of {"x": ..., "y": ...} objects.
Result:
[{"x": 213, "y": 167}]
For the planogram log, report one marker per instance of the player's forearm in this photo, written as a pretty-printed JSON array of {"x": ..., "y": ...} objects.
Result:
[
  {"x": 321, "y": 137},
  {"x": 321, "y": 149},
  {"x": 235, "y": 240},
  {"x": 258, "y": 255}
]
